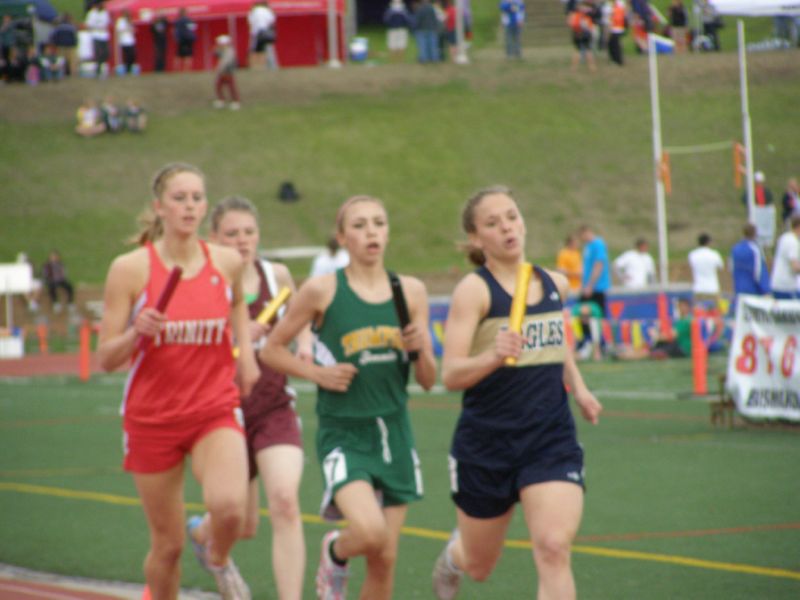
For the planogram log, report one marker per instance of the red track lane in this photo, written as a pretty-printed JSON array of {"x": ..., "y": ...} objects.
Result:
[{"x": 18, "y": 589}]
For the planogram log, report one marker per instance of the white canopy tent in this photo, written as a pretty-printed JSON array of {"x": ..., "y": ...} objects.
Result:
[{"x": 757, "y": 8}]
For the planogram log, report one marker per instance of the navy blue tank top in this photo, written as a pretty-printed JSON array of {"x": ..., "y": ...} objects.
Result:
[{"x": 518, "y": 411}]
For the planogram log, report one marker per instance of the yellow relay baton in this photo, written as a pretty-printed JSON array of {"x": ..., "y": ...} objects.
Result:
[
  {"x": 270, "y": 310},
  {"x": 519, "y": 303}
]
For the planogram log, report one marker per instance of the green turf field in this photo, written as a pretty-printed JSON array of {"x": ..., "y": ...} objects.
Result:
[{"x": 675, "y": 509}]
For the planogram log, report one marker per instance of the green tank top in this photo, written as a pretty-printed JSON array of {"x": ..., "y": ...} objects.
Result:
[{"x": 368, "y": 336}]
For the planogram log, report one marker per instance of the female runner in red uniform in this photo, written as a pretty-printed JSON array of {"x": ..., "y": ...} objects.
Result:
[
  {"x": 181, "y": 396},
  {"x": 274, "y": 443}
]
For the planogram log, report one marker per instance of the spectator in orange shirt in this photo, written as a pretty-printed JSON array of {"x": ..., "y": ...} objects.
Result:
[{"x": 570, "y": 263}]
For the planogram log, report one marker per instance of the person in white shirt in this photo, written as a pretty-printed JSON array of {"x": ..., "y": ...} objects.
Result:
[
  {"x": 98, "y": 22},
  {"x": 635, "y": 268},
  {"x": 261, "y": 20},
  {"x": 126, "y": 40},
  {"x": 705, "y": 263},
  {"x": 786, "y": 266},
  {"x": 331, "y": 259}
]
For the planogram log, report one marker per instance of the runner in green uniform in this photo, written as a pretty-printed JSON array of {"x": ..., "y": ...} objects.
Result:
[{"x": 364, "y": 440}]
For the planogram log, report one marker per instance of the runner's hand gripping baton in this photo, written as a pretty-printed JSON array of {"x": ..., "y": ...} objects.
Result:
[
  {"x": 519, "y": 303},
  {"x": 161, "y": 305},
  {"x": 401, "y": 308},
  {"x": 271, "y": 309}
]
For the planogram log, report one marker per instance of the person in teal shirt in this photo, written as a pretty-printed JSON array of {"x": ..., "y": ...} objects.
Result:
[{"x": 596, "y": 268}]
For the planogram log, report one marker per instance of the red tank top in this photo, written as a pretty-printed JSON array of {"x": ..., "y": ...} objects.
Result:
[
  {"x": 270, "y": 390},
  {"x": 188, "y": 369}
]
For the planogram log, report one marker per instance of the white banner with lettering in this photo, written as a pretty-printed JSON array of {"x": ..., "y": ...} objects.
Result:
[{"x": 763, "y": 370}]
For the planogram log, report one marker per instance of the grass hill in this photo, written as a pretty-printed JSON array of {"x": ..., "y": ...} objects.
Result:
[{"x": 576, "y": 147}]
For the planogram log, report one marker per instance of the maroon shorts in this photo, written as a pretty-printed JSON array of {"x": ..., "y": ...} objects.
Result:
[
  {"x": 157, "y": 448},
  {"x": 280, "y": 425}
]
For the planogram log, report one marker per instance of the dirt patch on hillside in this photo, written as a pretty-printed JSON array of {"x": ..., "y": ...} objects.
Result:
[{"x": 174, "y": 93}]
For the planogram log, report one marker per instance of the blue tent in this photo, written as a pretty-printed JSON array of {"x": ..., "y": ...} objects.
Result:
[{"x": 19, "y": 8}]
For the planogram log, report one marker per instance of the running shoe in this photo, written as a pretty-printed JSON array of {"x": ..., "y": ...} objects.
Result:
[
  {"x": 230, "y": 584},
  {"x": 331, "y": 578},
  {"x": 446, "y": 576},
  {"x": 200, "y": 550}
]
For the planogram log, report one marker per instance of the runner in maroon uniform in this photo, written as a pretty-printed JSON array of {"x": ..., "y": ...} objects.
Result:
[{"x": 272, "y": 426}]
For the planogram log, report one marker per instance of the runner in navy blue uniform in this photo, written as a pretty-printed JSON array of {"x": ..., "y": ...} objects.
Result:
[{"x": 515, "y": 440}]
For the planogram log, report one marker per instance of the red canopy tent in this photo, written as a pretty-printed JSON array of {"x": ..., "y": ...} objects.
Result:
[{"x": 301, "y": 26}]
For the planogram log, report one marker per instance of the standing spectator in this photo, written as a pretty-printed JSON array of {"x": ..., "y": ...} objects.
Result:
[
  {"x": 748, "y": 266},
  {"x": 618, "y": 27},
  {"x": 185, "y": 35},
  {"x": 712, "y": 23},
  {"x": 512, "y": 17},
  {"x": 159, "y": 29},
  {"x": 636, "y": 268},
  {"x": 450, "y": 38},
  {"x": 678, "y": 21},
  {"x": 224, "y": 71},
  {"x": 786, "y": 266},
  {"x": 705, "y": 263},
  {"x": 790, "y": 203},
  {"x": 568, "y": 262},
  {"x": 65, "y": 39},
  {"x": 126, "y": 40},
  {"x": 580, "y": 22},
  {"x": 397, "y": 20},
  {"x": 54, "y": 275},
  {"x": 262, "y": 22},
  {"x": 596, "y": 268},
  {"x": 762, "y": 195},
  {"x": 329, "y": 260},
  {"x": 426, "y": 32},
  {"x": 98, "y": 22}
]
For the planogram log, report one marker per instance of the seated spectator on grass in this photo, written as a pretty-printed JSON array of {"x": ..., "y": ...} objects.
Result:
[
  {"x": 112, "y": 115},
  {"x": 678, "y": 345},
  {"x": 591, "y": 342},
  {"x": 16, "y": 66},
  {"x": 90, "y": 119},
  {"x": 33, "y": 67},
  {"x": 135, "y": 116},
  {"x": 53, "y": 66}
]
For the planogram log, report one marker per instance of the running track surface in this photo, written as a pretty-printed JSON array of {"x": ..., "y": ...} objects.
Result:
[
  {"x": 19, "y": 589},
  {"x": 44, "y": 364}
]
